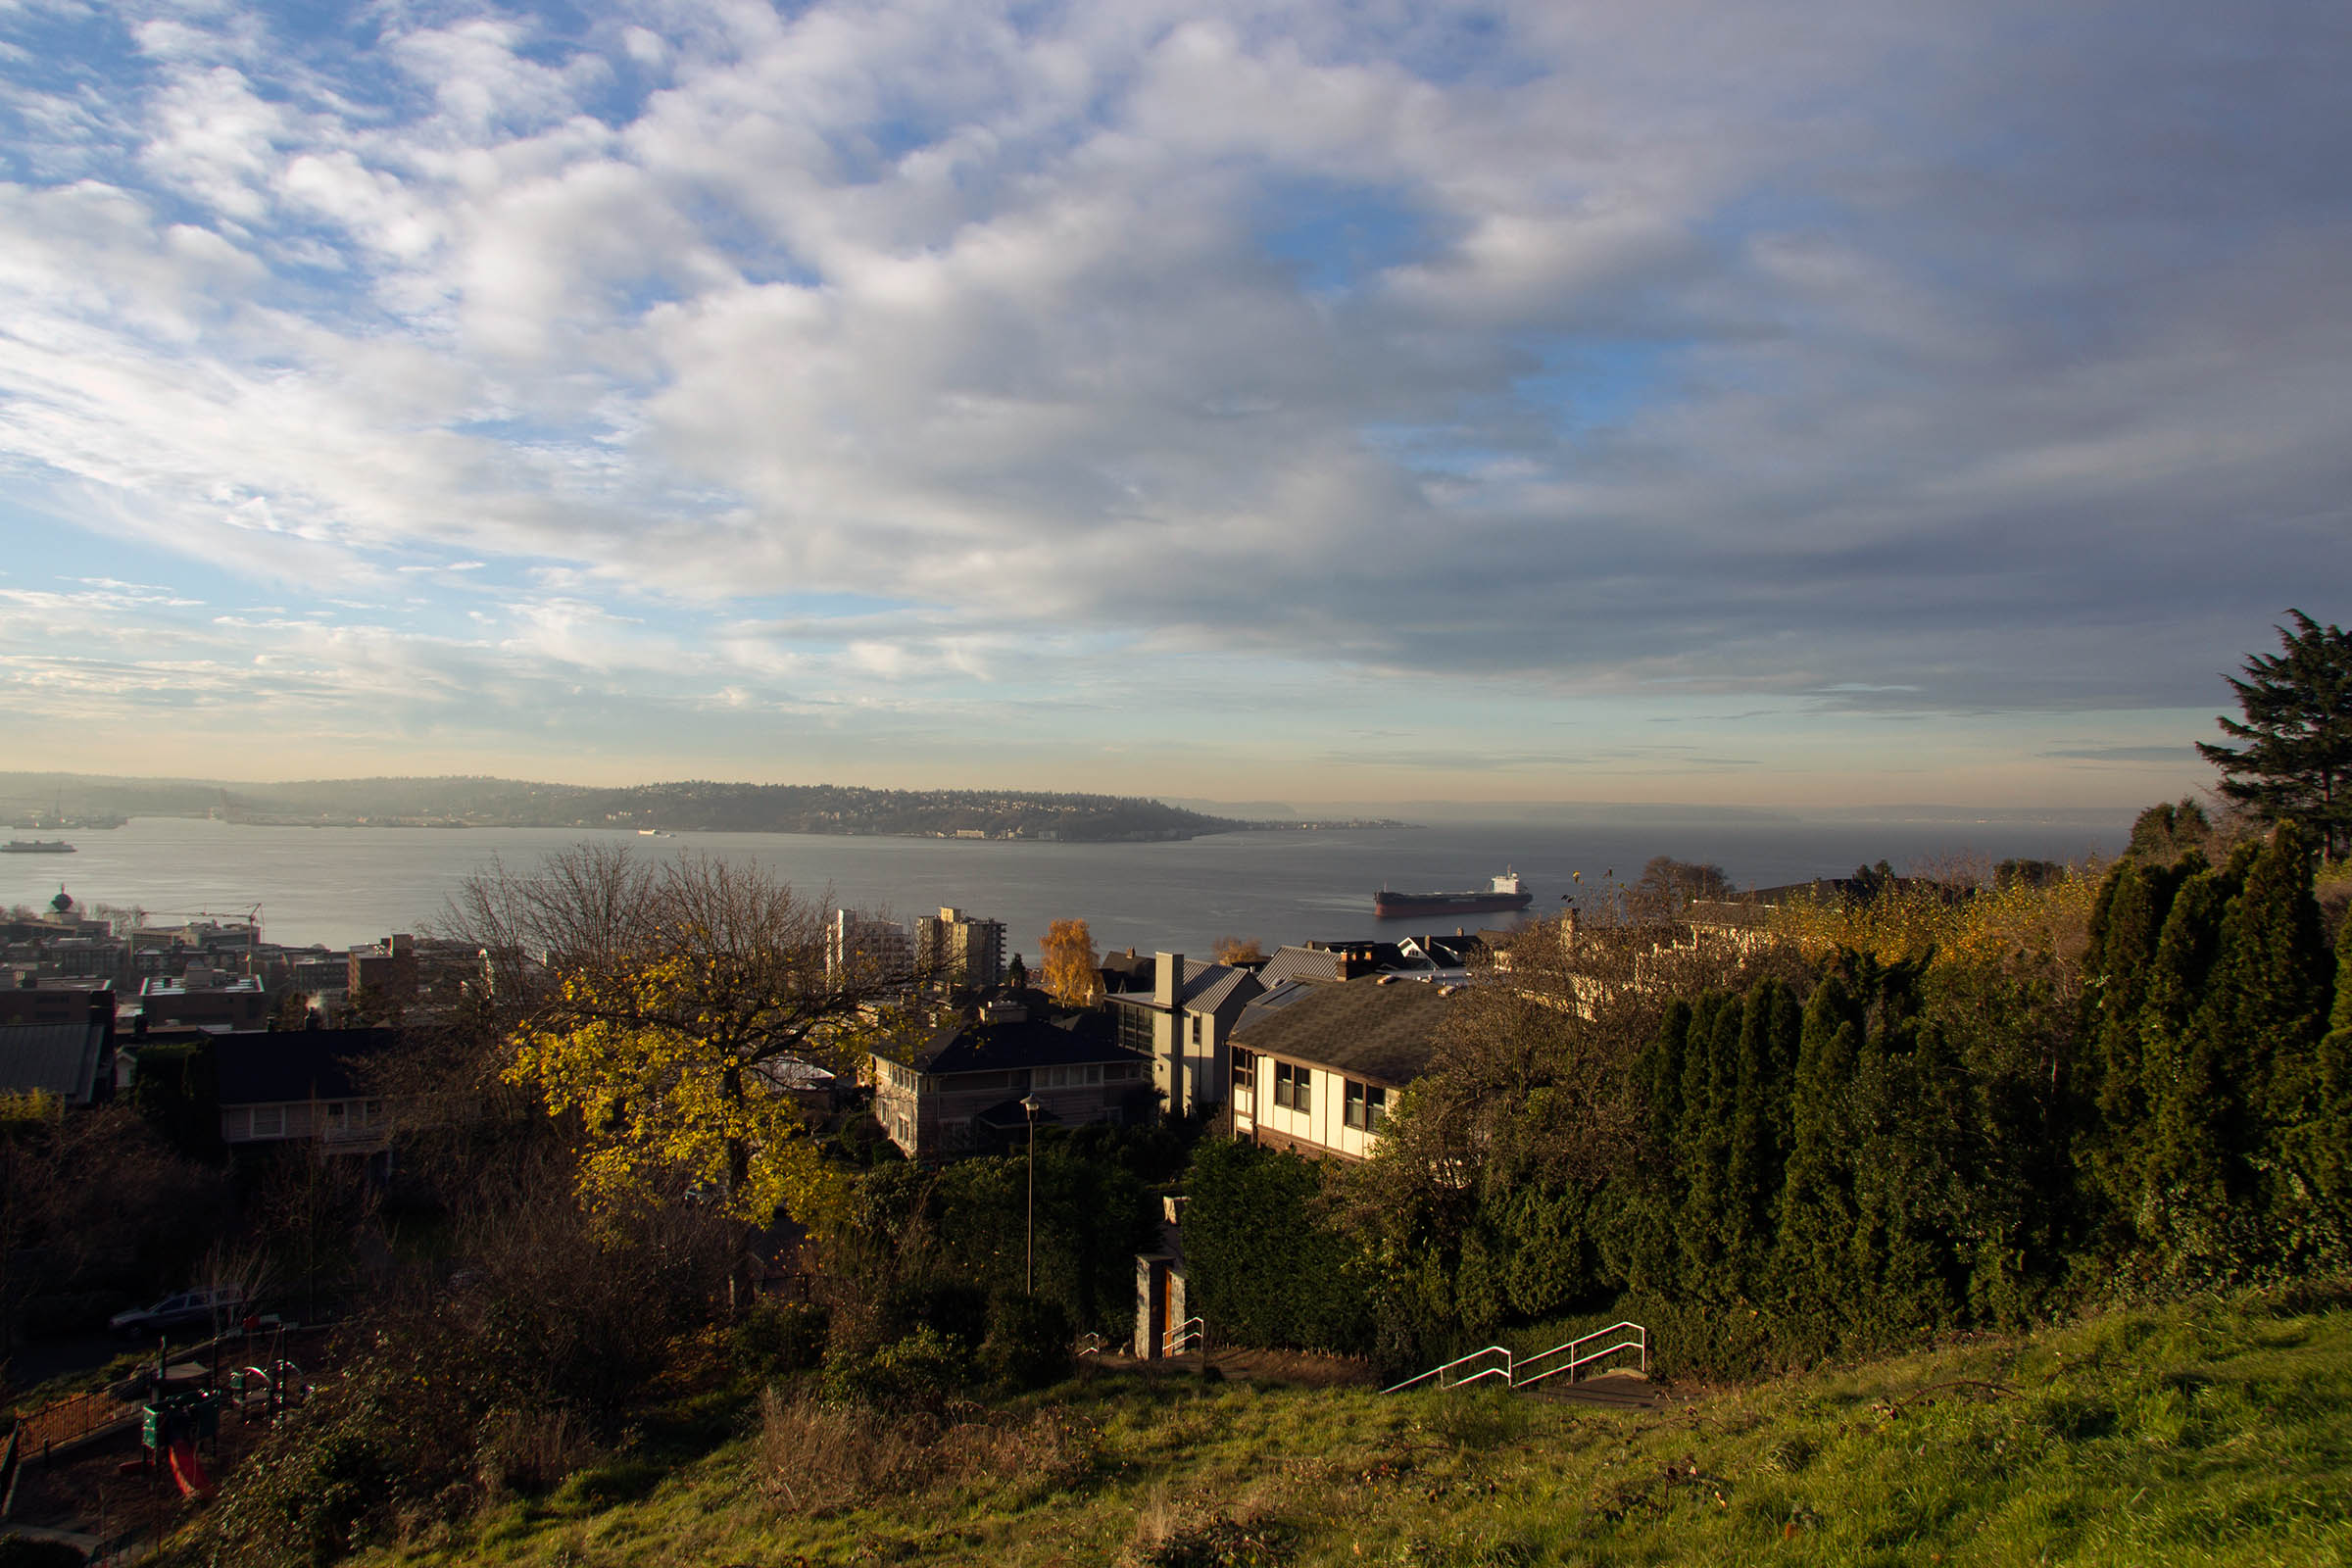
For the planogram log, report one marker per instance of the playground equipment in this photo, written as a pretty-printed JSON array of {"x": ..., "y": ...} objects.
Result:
[
  {"x": 169, "y": 1428},
  {"x": 265, "y": 1395}
]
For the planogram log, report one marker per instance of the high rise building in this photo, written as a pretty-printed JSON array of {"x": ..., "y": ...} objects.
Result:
[
  {"x": 961, "y": 949},
  {"x": 863, "y": 949}
]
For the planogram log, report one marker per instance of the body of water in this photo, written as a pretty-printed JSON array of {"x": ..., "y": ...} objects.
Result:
[{"x": 341, "y": 886}]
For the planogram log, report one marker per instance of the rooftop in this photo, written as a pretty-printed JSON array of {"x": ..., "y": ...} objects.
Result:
[
  {"x": 293, "y": 1064},
  {"x": 1370, "y": 1028},
  {"x": 960, "y": 1047}
]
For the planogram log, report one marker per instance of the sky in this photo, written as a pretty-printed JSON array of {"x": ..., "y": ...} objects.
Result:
[{"x": 1822, "y": 403}]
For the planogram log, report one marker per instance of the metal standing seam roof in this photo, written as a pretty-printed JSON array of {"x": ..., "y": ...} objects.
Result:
[
  {"x": 56, "y": 1059},
  {"x": 1206, "y": 987},
  {"x": 1302, "y": 964},
  {"x": 1361, "y": 1027}
]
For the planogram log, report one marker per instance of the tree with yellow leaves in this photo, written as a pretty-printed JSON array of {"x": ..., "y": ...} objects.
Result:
[
  {"x": 676, "y": 1035},
  {"x": 1073, "y": 975}
]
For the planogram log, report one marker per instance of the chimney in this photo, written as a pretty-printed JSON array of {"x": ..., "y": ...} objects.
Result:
[{"x": 1167, "y": 981}]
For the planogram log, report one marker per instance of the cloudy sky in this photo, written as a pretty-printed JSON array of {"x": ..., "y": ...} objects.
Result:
[{"x": 1823, "y": 402}]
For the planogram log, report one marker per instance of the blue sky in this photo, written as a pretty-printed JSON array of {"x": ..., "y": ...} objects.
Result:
[{"x": 1833, "y": 404}]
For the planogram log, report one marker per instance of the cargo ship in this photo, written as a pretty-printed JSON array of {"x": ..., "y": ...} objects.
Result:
[
  {"x": 1506, "y": 891},
  {"x": 36, "y": 847}
]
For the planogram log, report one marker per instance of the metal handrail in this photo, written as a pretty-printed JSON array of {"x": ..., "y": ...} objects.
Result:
[
  {"x": 1179, "y": 1339},
  {"x": 1512, "y": 1371},
  {"x": 1439, "y": 1372},
  {"x": 1640, "y": 1341}
]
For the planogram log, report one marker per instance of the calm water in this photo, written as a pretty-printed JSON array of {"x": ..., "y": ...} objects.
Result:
[{"x": 344, "y": 885}]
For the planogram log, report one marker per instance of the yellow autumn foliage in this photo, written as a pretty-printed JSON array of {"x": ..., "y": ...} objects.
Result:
[{"x": 1915, "y": 920}]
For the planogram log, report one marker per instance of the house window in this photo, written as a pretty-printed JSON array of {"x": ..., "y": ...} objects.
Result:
[
  {"x": 1244, "y": 1076},
  {"x": 1368, "y": 1107},
  {"x": 1135, "y": 1030},
  {"x": 269, "y": 1121},
  {"x": 1293, "y": 1089}
]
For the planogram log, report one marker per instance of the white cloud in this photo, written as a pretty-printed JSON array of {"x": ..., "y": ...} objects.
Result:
[{"x": 1598, "y": 347}]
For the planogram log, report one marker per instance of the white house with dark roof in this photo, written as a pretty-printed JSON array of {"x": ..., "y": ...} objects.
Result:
[
  {"x": 302, "y": 1085},
  {"x": 957, "y": 1089},
  {"x": 1317, "y": 1064},
  {"x": 1181, "y": 1024}
]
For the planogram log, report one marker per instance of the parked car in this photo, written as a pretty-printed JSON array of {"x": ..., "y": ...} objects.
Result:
[{"x": 208, "y": 1307}]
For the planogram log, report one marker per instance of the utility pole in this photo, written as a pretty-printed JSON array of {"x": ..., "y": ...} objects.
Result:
[{"x": 1031, "y": 1104}]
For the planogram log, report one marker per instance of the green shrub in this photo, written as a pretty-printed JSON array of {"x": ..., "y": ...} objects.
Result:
[
  {"x": 920, "y": 1372},
  {"x": 1028, "y": 1344},
  {"x": 780, "y": 1337}
]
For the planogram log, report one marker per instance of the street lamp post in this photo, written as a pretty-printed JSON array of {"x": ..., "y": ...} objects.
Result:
[{"x": 1031, "y": 1104}]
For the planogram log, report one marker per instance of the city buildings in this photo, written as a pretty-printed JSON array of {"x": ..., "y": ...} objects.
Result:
[{"x": 961, "y": 949}]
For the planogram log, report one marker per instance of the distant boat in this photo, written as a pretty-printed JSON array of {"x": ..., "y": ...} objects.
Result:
[
  {"x": 36, "y": 847},
  {"x": 1506, "y": 891},
  {"x": 655, "y": 833}
]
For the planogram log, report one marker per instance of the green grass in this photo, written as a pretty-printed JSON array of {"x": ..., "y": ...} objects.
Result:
[{"x": 2207, "y": 1433}]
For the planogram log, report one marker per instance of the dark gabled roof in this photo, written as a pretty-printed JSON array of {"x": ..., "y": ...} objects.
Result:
[
  {"x": 1362, "y": 1027},
  {"x": 993, "y": 1047},
  {"x": 56, "y": 1059},
  {"x": 293, "y": 1064}
]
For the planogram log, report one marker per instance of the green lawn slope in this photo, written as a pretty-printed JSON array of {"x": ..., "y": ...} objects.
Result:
[{"x": 2217, "y": 1432}]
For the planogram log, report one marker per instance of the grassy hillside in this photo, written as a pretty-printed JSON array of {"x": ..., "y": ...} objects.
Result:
[{"x": 2212, "y": 1433}]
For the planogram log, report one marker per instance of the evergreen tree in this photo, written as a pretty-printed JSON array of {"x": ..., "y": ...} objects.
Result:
[
  {"x": 2318, "y": 1147},
  {"x": 1702, "y": 1152},
  {"x": 2185, "y": 1187},
  {"x": 2271, "y": 985},
  {"x": 1900, "y": 1167},
  {"x": 2124, "y": 930},
  {"x": 1817, "y": 1194},
  {"x": 1649, "y": 1214},
  {"x": 2295, "y": 765},
  {"x": 1771, "y": 1026}
]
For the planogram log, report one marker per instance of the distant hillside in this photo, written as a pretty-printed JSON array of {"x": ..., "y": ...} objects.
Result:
[{"x": 692, "y": 806}]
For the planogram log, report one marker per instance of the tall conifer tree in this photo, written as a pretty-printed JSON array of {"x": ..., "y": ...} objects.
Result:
[
  {"x": 2320, "y": 1146},
  {"x": 1816, "y": 1199},
  {"x": 2187, "y": 1177},
  {"x": 2271, "y": 986},
  {"x": 2124, "y": 931}
]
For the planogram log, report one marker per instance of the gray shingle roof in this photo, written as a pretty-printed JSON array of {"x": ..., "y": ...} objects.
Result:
[
  {"x": 56, "y": 1059},
  {"x": 1361, "y": 1027}
]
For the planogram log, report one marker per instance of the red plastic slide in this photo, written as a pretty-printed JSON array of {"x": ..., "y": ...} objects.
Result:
[{"x": 187, "y": 1471}]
